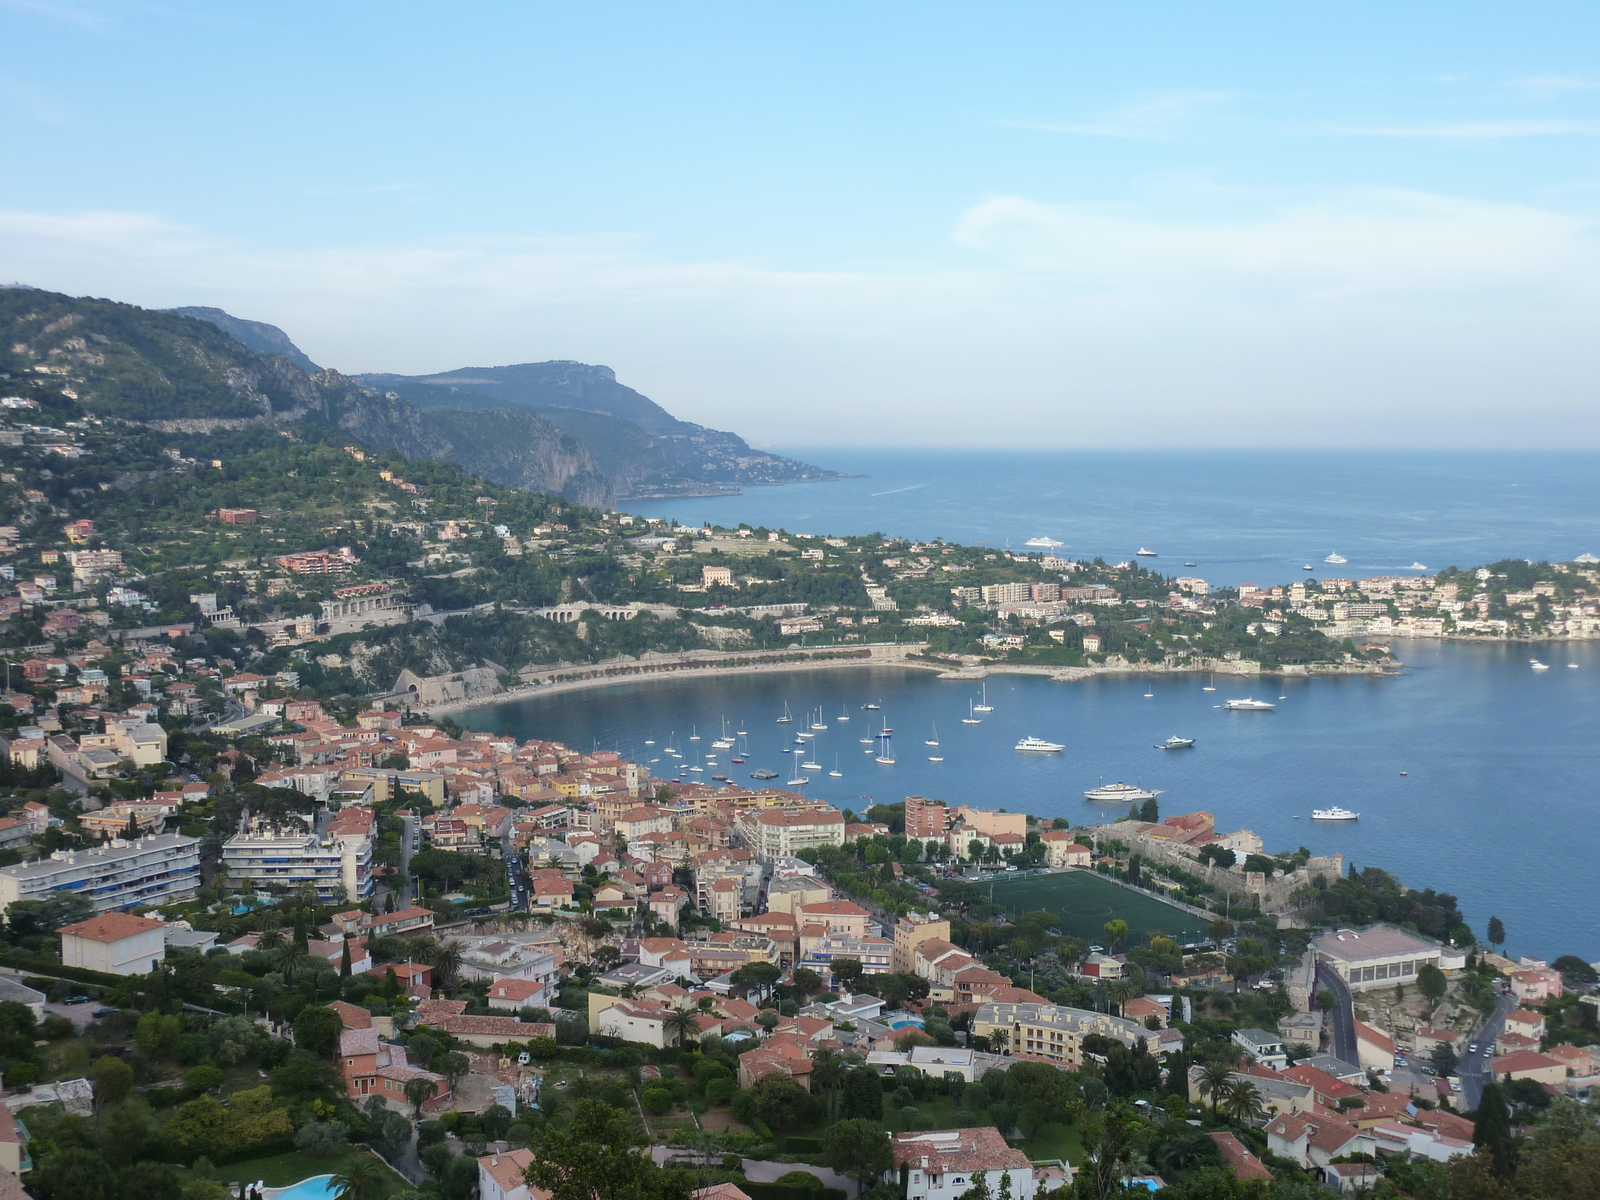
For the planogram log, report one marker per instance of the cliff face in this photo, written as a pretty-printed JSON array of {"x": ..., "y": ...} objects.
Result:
[
  {"x": 252, "y": 335},
  {"x": 176, "y": 372}
]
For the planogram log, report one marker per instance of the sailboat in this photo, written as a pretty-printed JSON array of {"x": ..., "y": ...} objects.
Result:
[
  {"x": 969, "y": 719},
  {"x": 694, "y": 734},
  {"x": 886, "y": 754},
  {"x": 788, "y": 717},
  {"x": 1149, "y": 694},
  {"x": 798, "y": 781},
  {"x": 819, "y": 723},
  {"x": 811, "y": 766},
  {"x": 836, "y": 773},
  {"x": 935, "y": 758},
  {"x": 985, "y": 706},
  {"x": 1212, "y": 686},
  {"x": 844, "y": 713},
  {"x": 934, "y": 740},
  {"x": 649, "y": 741},
  {"x": 724, "y": 742},
  {"x": 697, "y": 768},
  {"x": 741, "y": 752}
]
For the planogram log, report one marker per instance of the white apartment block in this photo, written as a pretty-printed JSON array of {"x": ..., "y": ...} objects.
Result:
[
  {"x": 154, "y": 870},
  {"x": 784, "y": 832},
  {"x": 340, "y": 869}
]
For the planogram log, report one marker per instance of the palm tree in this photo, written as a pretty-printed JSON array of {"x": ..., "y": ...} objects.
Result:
[
  {"x": 1121, "y": 991},
  {"x": 681, "y": 1024},
  {"x": 290, "y": 956},
  {"x": 999, "y": 1039},
  {"x": 1243, "y": 1101},
  {"x": 445, "y": 959},
  {"x": 359, "y": 1181},
  {"x": 1214, "y": 1080},
  {"x": 827, "y": 1072},
  {"x": 271, "y": 940}
]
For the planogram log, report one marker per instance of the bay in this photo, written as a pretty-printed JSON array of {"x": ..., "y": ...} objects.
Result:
[
  {"x": 1241, "y": 516},
  {"x": 1498, "y": 804}
]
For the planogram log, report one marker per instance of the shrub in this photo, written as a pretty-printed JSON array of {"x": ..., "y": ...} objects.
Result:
[
  {"x": 657, "y": 1100},
  {"x": 203, "y": 1078},
  {"x": 322, "y": 1139},
  {"x": 430, "y": 1133},
  {"x": 799, "y": 1179},
  {"x": 720, "y": 1091}
]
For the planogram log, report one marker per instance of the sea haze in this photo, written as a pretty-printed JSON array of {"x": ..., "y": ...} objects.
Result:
[
  {"x": 1240, "y": 516},
  {"x": 1497, "y": 803}
]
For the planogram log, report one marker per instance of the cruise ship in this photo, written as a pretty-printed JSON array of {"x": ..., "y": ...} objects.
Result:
[
  {"x": 1336, "y": 559},
  {"x": 1248, "y": 705},
  {"x": 1120, "y": 792},
  {"x": 1039, "y": 745},
  {"x": 1333, "y": 814},
  {"x": 1044, "y": 543}
]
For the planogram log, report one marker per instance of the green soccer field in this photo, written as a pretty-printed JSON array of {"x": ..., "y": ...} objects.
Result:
[{"x": 1085, "y": 902}]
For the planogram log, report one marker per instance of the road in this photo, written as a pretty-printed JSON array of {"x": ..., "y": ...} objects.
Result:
[
  {"x": 1344, "y": 1016},
  {"x": 1474, "y": 1068}
]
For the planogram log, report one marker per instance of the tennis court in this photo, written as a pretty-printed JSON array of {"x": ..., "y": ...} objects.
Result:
[{"x": 1085, "y": 902}]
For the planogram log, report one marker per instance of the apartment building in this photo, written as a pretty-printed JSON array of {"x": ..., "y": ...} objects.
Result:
[
  {"x": 154, "y": 870},
  {"x": 784, "y": 832},
  {"x": 339, "y": 867},
  {"x": 1052, "y": 1031},
  {"x": 912, "y": 930}
]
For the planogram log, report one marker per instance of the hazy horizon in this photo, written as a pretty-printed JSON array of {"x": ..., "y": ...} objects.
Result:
[{"x": 929, "y": 226}]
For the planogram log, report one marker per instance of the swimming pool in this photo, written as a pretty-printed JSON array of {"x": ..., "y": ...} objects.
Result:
[{"x": 318, "y": 1187}]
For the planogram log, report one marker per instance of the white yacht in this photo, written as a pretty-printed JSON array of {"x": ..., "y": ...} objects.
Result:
[
  {"x": 886, "y": 755},
  {"x": 798, "y": 781},
  {"x": 1333, "y": 814},
  {"x": 788, "y": 717},
  {"x": 1040, "y": 746},
  {"x": 969, "y": 719},
  {"x": 1537, "y": 665},
  {"x": 1336, "y": 559},
  {"x": 933, "y": 739},
  {"x": 1044, "y": 543},
  {"x": 1416, "y": 566},
  {"x": 1248, "y": 705},
  {"x": 1143, "y": 553},
  {"x": 1120, "y": 792},
  {"x": 844, "y": 713},
  {"x": 983, "y": 705},
  {"x": 1176, "y": 743}
]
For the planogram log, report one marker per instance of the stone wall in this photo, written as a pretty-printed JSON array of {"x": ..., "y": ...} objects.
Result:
[{"x": 1276, "y": 895}]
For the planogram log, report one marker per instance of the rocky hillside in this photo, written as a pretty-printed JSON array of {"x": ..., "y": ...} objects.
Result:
[
  {"x": 175, "y": 372},
  {"x": 253, "y": 335}
]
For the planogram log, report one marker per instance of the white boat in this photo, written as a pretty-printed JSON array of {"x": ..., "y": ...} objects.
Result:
[
  {"x": 1143, "y": 553},
  {"x": 1044, "y": 543},
  {"x": 983, "y": 705},
  {"x": 1119, "y": 792},
  {"x": 1308, "y": 567},
  {"x": 1333, "y": 814},
  {"x": 1248, "y": 705},
  {"x": 1587, "y": 560},
  {"x": 1212, "y": 686},
  {"x": 819, "y": 723},
  {"x": 811, "y": 766},
  {"x": 872, "y": 707},
  {"x": 649, "y": 741},
  {"x": 934, "y": 740},
  {"x": 969, "y": 719},
  {"x": 886, "y": 755},
  {"x": 797, "y": 781},
  {"x": 1416, "y": 566},
  {"x": 1039, "y": 746},
  {"x": 1572, "y": 666},
  {"x": 844, "y": 713},
  {"x": 1176, "y": 743},
  {"x": 1538, "y": 666},
  {"x": 865, "y": 741},
  {"x": 694, "y": 735},
  {"x": 836, "y": 773},
  {"x": 788, "y": 717},
  {"x": 1336, "y": 559},
  {"x": 804, "y": 736},
  {"x": 935, "y": 758}
]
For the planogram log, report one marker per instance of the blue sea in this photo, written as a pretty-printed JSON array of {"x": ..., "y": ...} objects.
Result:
[{"x": 1473, "y": 774}]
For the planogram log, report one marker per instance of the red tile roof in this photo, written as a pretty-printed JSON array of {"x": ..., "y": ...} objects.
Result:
[{"x": 111, "y": 927}]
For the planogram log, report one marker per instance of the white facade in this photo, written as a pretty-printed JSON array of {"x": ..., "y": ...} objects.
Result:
[
  {"x": 154, "y": 870},
  {"x": 340, "y": 869},
  {"x": 115, "y": 943},
  {"x": 500, "y": 1177}
]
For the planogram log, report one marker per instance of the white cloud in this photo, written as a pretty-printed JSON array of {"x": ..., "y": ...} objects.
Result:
[
  {"x": 1159, "y": 118},
  {"x": 1475, "y": 130},
  {"x": 1367, "y": 318}
]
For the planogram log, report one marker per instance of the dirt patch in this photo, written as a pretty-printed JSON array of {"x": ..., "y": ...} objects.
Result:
[{"x": 721, "y": 1120}]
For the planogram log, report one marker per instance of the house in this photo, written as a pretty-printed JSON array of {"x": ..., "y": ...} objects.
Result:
[
  {"x": 1051, "y": 1032},
  {"x": 1530, "y": 1064},
  {"x": 1152, "y": 1014},
  {"x": 1577, "y": 1059},
  {"x": 1238, "y": 1159},
  {"x": 500, "y": 1177},
  {"x": 1099, "y": 966},
  {"x": 1266, "y": 1048},
  {"x": 114, "y": 942},
  {"x": 1427, "y": 1041},
  {"x": 637, "y": 1021},
  {"x": 1351, "y": 1179},
  {"x": 1062, "y": 849},
  {"x": 668, "y": 904},
  {"x": 1374, "y": 1048},
  {"x": 513, "y": 994},
  {"x": 911, "y": 931},
  {"x": 484, "y": 1032},
  {"x": 1528, "y": 1024},
  {"x": 1314, "y": 1140},
  {"x": 943, "y": 1164},
  {"x": 13, "y": 1157},
  {"x": 1535, "y": 985}
]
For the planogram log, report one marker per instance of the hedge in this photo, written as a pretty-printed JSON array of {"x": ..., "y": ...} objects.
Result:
[
  {"x": 57, "y": 971},
  {"x": 802, "y": 1145},
  {"x": 783, "y": 1191}
]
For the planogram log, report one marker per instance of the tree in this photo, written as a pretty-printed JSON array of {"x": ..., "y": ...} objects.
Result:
[
  {"x": 1496, "y": 932},
  {"x": 74, "y": 1174},
  {"x": 999, "y": 1039},
  {"x": 418, "y": 1092},
  {"x": 857, "y": 1148},
  {"x": 291, "y": 956},
  {"x": 360, "y": 1180},
  {"x": 445, "y": 959},
  {"x": 1220, "y": 928},
  {"x": 344, "y": 959},
  {"x": 1243, "y": 1101},
  {"x": 317, "y": 1029},
  {"x": 758, "y": 976},
  {"x": 827, "y": 1072},
  {"x": 597, "y": 1158},
  {"x": 455, "y": 1067},
  {"x": 1121, "y": 991},
  {"x": 681, "y": 1024},
  {"x": 1215, "y": 1079},
  {"x": 1444, "y": 1059},
  {"x": 847, "y": 971},
  {"x": 861, "y": 1094},
  {"x": 113, "y": 1080},
  {"x": 1491, "y": 1130},
  {"x": 269, "y": 941},
  {"x": 807, "y": 980},
  {"x": 1116, "y": 932},
  {"x": 322, "y": 1139},
  {"x": 1432, "y": 982},
  {"x": 784, "y": 1104},
  {"x": 1150, "y": 811},
  {"x": 1108, "y": 1145}
]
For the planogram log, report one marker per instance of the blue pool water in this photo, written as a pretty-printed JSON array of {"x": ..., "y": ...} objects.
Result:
[{"x": 318, "y": 1187}]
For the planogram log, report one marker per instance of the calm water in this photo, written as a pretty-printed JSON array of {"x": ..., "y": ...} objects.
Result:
[
  {"x": 1254, "y": 516},
  {"x": 1499, "y": 803}
]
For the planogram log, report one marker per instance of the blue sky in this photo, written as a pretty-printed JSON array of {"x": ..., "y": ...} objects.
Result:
[{"x": 914, "y": 224}]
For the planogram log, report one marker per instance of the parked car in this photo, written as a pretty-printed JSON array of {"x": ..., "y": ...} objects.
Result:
[
  {"x": 76, "y": 1000},
  {"x": 104, "y": 1011}
]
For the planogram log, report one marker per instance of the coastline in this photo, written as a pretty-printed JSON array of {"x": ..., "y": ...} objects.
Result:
[{"x": 709, "y": 664}]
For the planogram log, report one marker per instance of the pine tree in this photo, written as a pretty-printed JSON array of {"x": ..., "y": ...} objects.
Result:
[
  {"x": 344, "y": 959},
  {"x": 1492, "y": 1130},
  {"x": 1496, "y": 932}
]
